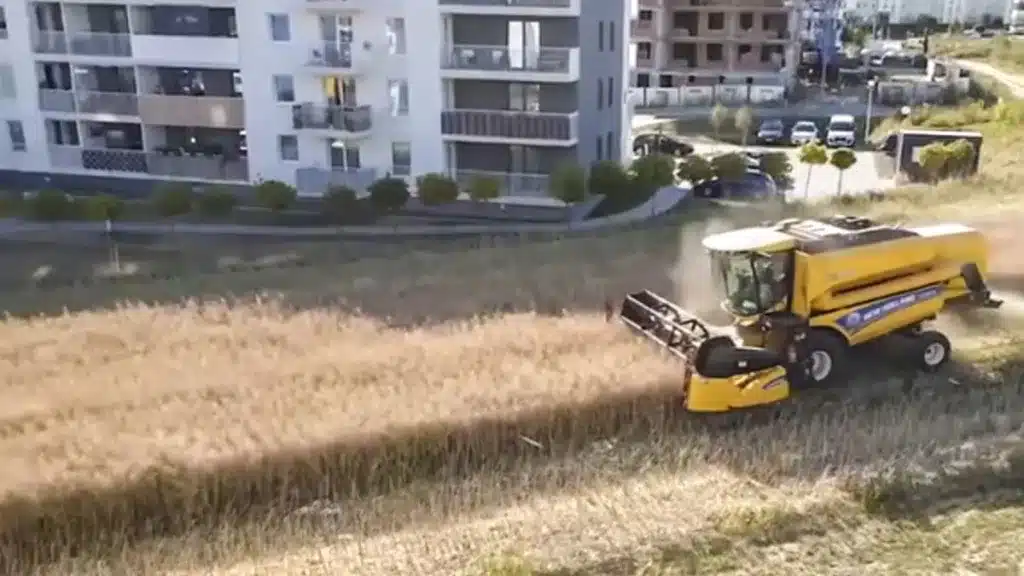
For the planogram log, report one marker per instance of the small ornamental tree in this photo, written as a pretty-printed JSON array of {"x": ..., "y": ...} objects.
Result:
[
  {"x": 842, "y": 159},
  {"x": 275, "y": 195},
  {"x": 217, "y": 202},
  {"x": 482, "y": 188},
  {"x": 777, "y": 166},
  {"x": 173, "y": 200},
  {"x": 719, "y": 120},
  {"x": 389, "y": 194},
  {"x": 608, "y": 179},
  {"x": 651, "y": 173},
  {"x": 812, "y": 154},
  {"x": 435, "y": 189},
  {"x": 695, "y": 169},
  {"x": 745, "y": 123},
  {"x": 729, "y": 167},
  {"x": 50, "y": 206}
]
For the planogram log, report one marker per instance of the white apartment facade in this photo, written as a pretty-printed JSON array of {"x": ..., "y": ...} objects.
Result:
[{"x": 120, "y": 94}]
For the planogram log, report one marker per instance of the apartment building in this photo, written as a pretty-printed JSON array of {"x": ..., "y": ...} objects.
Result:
[
  {"x": 311, "y": 92},
  {"x": 682, "y": 42},
  {"x": 945, "y": 11}
]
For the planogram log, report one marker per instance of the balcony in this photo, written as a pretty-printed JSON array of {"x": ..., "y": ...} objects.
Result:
[
  {"x": 465, "y": 62},
  {"x": 49, "y": 42},
  {"x": 320, "y": 180},
  {"x": 197, "y": 111},
  {"x": 56, "y": 100},
  {"x": 349, "y": 58},
  {"x": 149, "y": 163},
  {"x": 511, "y": 184},
  {"x": 511, "y": 127},
  {"x": 352, "y": 120},
  {"x": 104, "y": 103},
  {"x": 541, "y": 8},
  {"x": 100, "y": 44},
  {"x": 193, "y": 51}
]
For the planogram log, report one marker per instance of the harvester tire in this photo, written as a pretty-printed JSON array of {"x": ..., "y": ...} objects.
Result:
[
  {"x": 933, "y": 350},
  {"x": 827, "y": 358}
]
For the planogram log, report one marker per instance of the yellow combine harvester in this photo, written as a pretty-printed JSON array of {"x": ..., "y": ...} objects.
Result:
[{"x": 803, "y": 292}]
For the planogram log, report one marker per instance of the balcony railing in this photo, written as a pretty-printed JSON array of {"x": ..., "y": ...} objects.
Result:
[
  {"x": 56, "y": 100},
  {"x": 100, "y": 44},
  {"x": 151, "y": 163},
  {"x": 506, "y": 124},
  {"x": 113, "y": 103},
  {"x": 353, "y": 119},
  {"x": 199, "y": 111},
  {"x": 49, "y": 42},
  {"x": 510, "y": 184},
  {"x": 332, "y": 56},
  {"x": 503, "y": 59},
  {"x": 320, "y": 180}
]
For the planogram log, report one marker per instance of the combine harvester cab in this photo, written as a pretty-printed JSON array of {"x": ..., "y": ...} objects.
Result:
[{"x": 802, "y": 293}]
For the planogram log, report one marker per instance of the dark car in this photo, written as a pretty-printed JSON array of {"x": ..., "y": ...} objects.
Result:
[
  {"x": 771, "y": 132},
  {"x": 753, "y": 185},
  {"x": 668, "y": 144}
]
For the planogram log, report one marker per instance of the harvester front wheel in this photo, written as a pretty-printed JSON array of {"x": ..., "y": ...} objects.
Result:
[
  {"x": 827, "y": 358},
  {"x": 934, "y": 350}
]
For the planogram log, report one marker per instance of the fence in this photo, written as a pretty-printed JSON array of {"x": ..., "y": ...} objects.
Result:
[{"x": 728, "y": 94}]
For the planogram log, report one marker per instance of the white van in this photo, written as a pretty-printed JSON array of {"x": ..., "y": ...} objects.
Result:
[{"x": 842, "y": 131}]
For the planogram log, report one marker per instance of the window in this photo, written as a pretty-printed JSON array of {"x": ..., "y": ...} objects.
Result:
[
  {"x": 16, "y": 132},
  {"x": 646, "y": 16},
  {"x": 62, "y": 132},
  {"x": 643, "y": 80},
  {"x": 600, "y": 150},
  {"x": 611, "y": 92},
  {"x": 746, "y": 20},
  {"x": 401, "y": 158},
  {"x": 600, "y": 91},
  {"x": 396, "y": 35},
  {"x": 644, "y": 50},
  {"x": 288, "y": 148},
  {"x": 609, "y": 147},
  {"x": 284, "y": 88},
  {"x": 665, "y": 81},
  {"x": 524, "y": 97},
  {"x": 3, "y": 23},
  {"x": 716, "y": 21},
  {"x": 611, "y": 36},
  {"x": 344, "y": 156},
  {"x": 600, "y": 36},
  {"x": 714, "y": 52},
  {"x": 280, "y": 27},
  {"x": 8, "y": 90},
  {"x": 681, "y": 20},
  {"x": 399, "y": 93}
]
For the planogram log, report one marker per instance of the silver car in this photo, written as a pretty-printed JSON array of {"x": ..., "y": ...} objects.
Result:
[{"x": 803, "y": 132}]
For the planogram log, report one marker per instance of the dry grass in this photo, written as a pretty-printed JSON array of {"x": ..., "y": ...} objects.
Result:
[
  {"x": 292, "y": 437},
  {"x": 1003, "y": 52}
]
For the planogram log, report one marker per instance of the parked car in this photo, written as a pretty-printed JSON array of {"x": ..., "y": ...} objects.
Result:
[
  {"x": 661, "y": 143},
  {"x": 771, "y": 132},
  {"x": 753, "y": 185},
  {"x": 842, "y": 131},
  {"x": 803, "y": 132}
]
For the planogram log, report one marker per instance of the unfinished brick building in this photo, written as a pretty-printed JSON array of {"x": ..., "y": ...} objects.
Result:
[{"x": 680, "y": 42}]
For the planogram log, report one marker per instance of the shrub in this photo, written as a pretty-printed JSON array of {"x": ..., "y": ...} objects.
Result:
[
  {"x": 104, "y": 207},
  {"x": 652, "y": 172},
  {"x": 389, "y": 194},
  {"x": 51, "y": 205},
  {"x": 11, "y": 204},
  {"x": 777, "y": 166},
  {"x": 484, "y": 188},
  {"x": 568, "y": 184},
  {"x": 340, "y": 204},
  {"x": 172, "y": 200},
  {"x": 217, "y": 202},
  {"x": 933, "y": 159},
  {"x": 695, "y": 169},
  {"x": 607, "y": 178},
  {"x": 275, "y": 195},
  {"x": 731, "y": 166},
  {"x": 961, "y": 158},
  {"x": 435, "y": 189}
]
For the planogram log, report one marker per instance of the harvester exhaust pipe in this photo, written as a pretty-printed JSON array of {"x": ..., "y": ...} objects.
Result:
[{"x": 664, "y": 323}]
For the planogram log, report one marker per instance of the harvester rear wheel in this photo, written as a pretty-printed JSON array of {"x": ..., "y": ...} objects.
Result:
[
  {"x": 933, "y": 349},
  {"x": 827, "y": 358}
]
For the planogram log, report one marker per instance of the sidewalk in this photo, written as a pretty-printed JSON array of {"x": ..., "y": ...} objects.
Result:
[{"x": 1014, "y": 82}]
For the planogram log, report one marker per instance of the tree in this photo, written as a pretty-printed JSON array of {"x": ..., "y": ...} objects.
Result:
[
  {"x": 727, "y": 167},
  {"x": 961, "y": 158},
  {"x": 389, "y": 194},
  {"x": 860, "y": 37},
  {"x": 650, "y": 173},
  {"x": 609, "y": 179},
  {"x": 812, "y": 154},
  {"x": 933, "y": 159},
  {"x": 719, "y": 119},
  {"x": 275, "y": 195},
  {"x": 340, "y": 203},
  {"x": 104, "y": 207},
  {"x": 435, "y": 189},
  {"x": 777, "y": 166},
  {"x": 695, "y": 169},
  {"x": 172, "y": 200},
  {"x": 745, "y": 123},
  {"x": 217, "y": 202},
  {"x": 568, "y": 184},
  {"x": 842, "y": 159},
  {"x": 51, "y": 205},
  {"x": 483, "y": 188}
]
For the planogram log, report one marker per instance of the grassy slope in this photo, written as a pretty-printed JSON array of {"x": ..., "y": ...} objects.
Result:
[
  {"x": 1004, "y": 53},
  {"x": 827, "y": 486}
]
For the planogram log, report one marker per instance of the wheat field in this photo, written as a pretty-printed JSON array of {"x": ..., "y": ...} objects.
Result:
[{"x": 476, "y": 413}]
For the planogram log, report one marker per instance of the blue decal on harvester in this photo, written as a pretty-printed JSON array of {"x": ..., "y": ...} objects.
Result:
[{"x": 867, "y": 315}]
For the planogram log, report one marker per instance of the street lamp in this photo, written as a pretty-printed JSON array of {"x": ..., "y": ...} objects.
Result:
[{"x": 871, "y": 100}]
